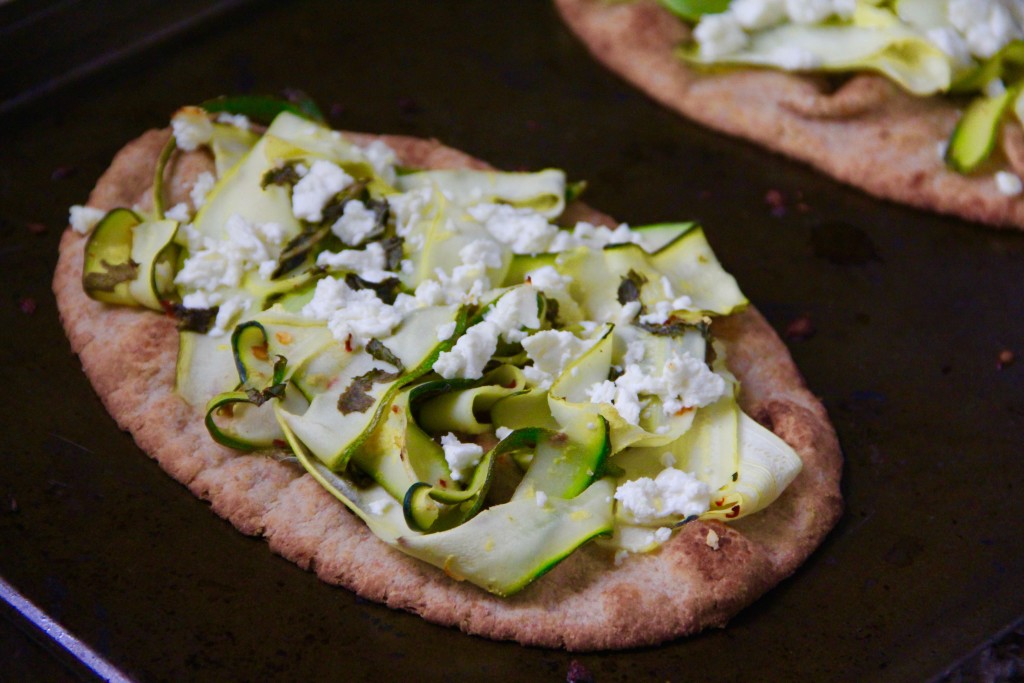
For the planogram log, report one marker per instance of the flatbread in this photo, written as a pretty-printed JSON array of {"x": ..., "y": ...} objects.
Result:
[
  {"x": 586, "y": 602},
  {"x": 868, "y": 133}
]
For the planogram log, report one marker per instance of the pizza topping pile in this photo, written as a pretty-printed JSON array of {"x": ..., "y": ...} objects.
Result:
[
  {"x": 960, "y": 48},
  {"x": 414, "y": 337}
]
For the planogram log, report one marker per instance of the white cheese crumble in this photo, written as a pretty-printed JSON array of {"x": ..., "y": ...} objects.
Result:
[
  {"x": 179, "y": 212},
  {"x": 470, "y": 354},
  {"x": 379, "y": 507},
  {"x": 986, "y": 25},
  {"x": 502, "y": 432},
  {"x": 352, "y": 315},
  {"x": 685, "y": 382},
  {"x": 522, "y": 230},
  {"x": 549, "y": 280},
  {"x": 461, "y": 457},
  {"x": 192, "y": 128},
  {"x": 383, "y": 160},
  {"x": 817, "y": 11},
  {"x": 84, "y": 218},
  {"x": 240, "y": 121},
  {"x": 672, "y": 493},
  {"x": 356, "y": 223},
  {"x": 316, "y": 187},
  {"x": 712, "y": 539},
  {"x": 201, "y": 188},
  {"x": 1009, "y": 184},
  {"x": 445, "y": 331},
  {"x": 368, "y": 263},
  {"x": 663, "y": 310},
  {"x": 662, "y": 534},
  {"x": 758, "y": 14},
  {"x": 540, "y": 498},
  {"x": 515, "y": 310},
  {"x": 719, "y": 35},
  {"x": 551, "y": 351},
  {"x": 213, "y": 264}
]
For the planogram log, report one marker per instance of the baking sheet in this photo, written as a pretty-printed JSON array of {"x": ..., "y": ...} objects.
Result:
[{"x": 896, "y": 318}]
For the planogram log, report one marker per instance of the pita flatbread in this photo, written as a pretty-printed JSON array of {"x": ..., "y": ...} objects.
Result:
[
  {"x": 868, "y": 133},
  {"x": 584, "y": 603}
]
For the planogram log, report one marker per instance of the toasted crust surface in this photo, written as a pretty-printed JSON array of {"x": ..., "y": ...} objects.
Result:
[
  {"x": 869, "y": 133},
  {"x": 586, "y": 602}
]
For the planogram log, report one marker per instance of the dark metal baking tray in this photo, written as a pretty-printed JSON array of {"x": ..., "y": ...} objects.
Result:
[{"x": 908, "y": 312}]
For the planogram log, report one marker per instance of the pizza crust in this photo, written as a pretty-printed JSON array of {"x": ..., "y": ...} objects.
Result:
[
  {"x": 584, "y": 603},
  {"x": 869, "y": 133}
]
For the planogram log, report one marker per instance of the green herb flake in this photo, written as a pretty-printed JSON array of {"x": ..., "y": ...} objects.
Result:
[
  {"x": 115, "y": 274},
  {"x": 356, "y": 398},
  {"x": 386, "y": 290},
  {"x": 285, "y": 175},
  {"x": 629, "y": 288},
  {"x": 376, "y": 348}
]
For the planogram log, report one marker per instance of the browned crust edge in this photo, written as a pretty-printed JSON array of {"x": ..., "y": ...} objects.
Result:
[
  {"x": 887, "y": 150},
  {"x": 585, "y": 603}
]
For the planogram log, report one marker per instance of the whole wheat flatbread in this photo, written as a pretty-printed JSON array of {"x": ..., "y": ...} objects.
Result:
[
  {"x": 869, "y": 133},
  {"x": 585, "y": 603}
]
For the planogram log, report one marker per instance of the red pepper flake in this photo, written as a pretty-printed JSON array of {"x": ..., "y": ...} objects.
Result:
[
  {"x": 62, "y": 172},
  {"x": 394, "y": 409},
  {"x": 1006, "y": 359},
  {"x": 348, "y": 344},
  {"x": 734, "y": 513},
  {"x": 443, "y": 483},
  {"x": 801, "y": 328},
  {"x": 27, "y": 305},
  {"x": 578, "y": 673},
  {"x": 36, "y": 228}
]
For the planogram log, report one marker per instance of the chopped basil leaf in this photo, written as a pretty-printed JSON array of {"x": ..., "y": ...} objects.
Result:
[
  {"x": 356, "y": 399},
  {"x": 386, "y": 289},
  {"x": 285, "y": 175},
  {"x": 115, "y": 275},
  {"x": 629, "y": 288},
  {"x": 193, "y": 319},
  {"x": 376, "y": 348},
  {"x": 296, "y": 251},
  {"x": 393, "y": 252}
]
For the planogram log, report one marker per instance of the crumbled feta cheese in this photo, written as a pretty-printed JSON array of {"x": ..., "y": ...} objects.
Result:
[
  {"x": 445, "y": 332},
  {"x": 626, "y": 313},
  {"x": 409, "y": 208},
  {"x": 663, "y": 310},
  {"x": 379, "y": 507},
  {"x": 353, "y": 314},
  {"x": 470, "y": 354},
  {"x": 541, "y": 498},
  {"x": 502, "y": 432},
  {"x": 592, "y": 236},
  {"x": 949, "y": 41},
  {"x": 712, "y": 539},
  {"x": 685, "y": 382},
  {"x": 237, "y": 120},
  {"x": 986, "y": 25},
  {"x": 995, "y": 88},
  {"x": 84, "y": 218},
  {"x": 1009, "y": 183},
  {"x": 357, "y": 222},
  {"x": 383, "y": 160},
  {"x": 662, "y": 534},
  {"x": 179, "y": 212},
  {"x": 461, "y": 457},
  {"x": 522, "y": 230},
  {"x": 551, "y": 351},
  {"x": 672, "y": 493},
  {"x": 483, "y": 252},
  {"x": 204, "y": 182},
  {"x": 513, "y": 311},
  {"x": 719, "y": 35},
  {"x": 368, "y": 263},
  {"x": 758, "y": 14},
  {"x": 317, "y": 186},
  {"x": 192, "y": 128},
  {"x": 227, "y": 312},
  {"x": 223, "y": 263},
  {"x": 549, "y": 280}
]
